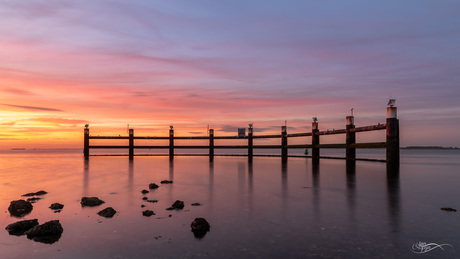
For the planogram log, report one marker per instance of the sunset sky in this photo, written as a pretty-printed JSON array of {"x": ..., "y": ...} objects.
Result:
[{"x": 190, "y": 63}]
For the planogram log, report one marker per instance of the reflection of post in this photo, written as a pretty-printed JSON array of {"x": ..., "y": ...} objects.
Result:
[
  {"x": 130, "y": 175},
  {"x": 250, "y": 143},
  {"x": 85, "y": 176},
  {"x": 393, "y": 203},
  {"x": 211, "y": 143},
  {"x": 316, "y": 192},
  {"x": 350, "y": 139},
  {"x": 284, "y": 149},
  {"x": 171, "y": 143},
  {"x": 392, "y": 141},
  {"x": 314, "y": 140},
  {"x": 171, "y": 169},
  {"x": 131, "y": 143},
  {"x": 86, "y": 143},
  {"x": 351, "y": 183}
]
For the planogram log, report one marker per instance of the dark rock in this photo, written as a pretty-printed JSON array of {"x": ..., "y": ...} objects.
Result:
[
  {"x": 200, "y": 227},
  {"x": 34, "y": 194},
  {"x": 152, "y": 201},
  {"x": 47, "y": 233},
  {"x": 20, "y": 208},
  {"x": 178, "y": 205},
  {"x": 142, "y": 206},
  {"x": 166, "y": 181},
  {"x": 145, "y": 198},
  {"x": 107, "y": 212},
  {"x": 56, "y": 206},
  {"x": 144, "y": 191},
  {"x": 148, "y": 213},
  {"x": 449, "y": 209},
  {"x": 91, "y": 201},
  {"x": 34, "y": 199},
  {"x": 196, "y": 204},
  {"x": 20, "y": 227},
  {"x": 153, "y": 186}
]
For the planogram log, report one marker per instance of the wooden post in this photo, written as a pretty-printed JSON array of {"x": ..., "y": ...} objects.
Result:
[
  {"x": 250, "y": 143},
  {"x": 314, "y": 140},
  {"x": 284, "y": 149},
  {"x": 350, "y": 153},
  {"x": 211, "y": 143},
  {"x": 171, "y": 143},
  {"x": 392, "y": 140},
  {"x": 86, "y": 143},
  {"x": 131, "y": 143}
]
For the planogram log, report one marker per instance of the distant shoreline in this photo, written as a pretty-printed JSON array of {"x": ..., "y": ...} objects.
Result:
[{"x": 431, "y": 147}]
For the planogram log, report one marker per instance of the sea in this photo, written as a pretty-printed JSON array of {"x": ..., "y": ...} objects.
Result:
[{"x": 264, "y": 208}]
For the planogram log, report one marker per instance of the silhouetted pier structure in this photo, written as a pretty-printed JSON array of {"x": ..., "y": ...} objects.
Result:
[{"x": 391, "y": 144}]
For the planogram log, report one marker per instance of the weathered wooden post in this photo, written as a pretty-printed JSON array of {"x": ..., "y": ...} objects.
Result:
[
  {"x": 131, "y": 143},
  {"x": 350, "y": 153},
  {"x": 171, "y": 142},
  {"x": 392, "y": 140},
  {"x": 250, "y": 142},
  {"x": 211, "y": 143},
  {"x": 86, "y": 143},
  {"x": 314, "y": 139},
  {"x": 284, "y": 141}
]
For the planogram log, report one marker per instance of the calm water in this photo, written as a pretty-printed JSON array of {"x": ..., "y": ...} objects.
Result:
[{"x": 261, "y": 209}]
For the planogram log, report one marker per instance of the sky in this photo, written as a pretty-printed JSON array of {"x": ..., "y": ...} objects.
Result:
[{"x": 194, "y": 63}]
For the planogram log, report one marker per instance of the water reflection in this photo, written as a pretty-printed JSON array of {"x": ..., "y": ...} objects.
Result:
[
  {"x": 351, "y": 183},
  {"x": 171, "y": 169},
  {"x": 315, "y": 170},
  {"x": 85, "y": 176},
  {"x": 393, "y": 199}
]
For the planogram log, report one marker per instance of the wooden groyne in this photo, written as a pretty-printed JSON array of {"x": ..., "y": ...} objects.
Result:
[{"x": 391, "y": 144}]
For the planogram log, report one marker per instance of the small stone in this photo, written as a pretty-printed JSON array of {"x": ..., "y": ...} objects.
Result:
[
  {"x": 166, "y": 182},
  {"x": 148, "y": 213},
  {"x": 152, "y": 201},
  {"x": 47, "y": 233},
  {"x": 56, "y": 206},
  {"x": 145, "y": 198},
  {"x": 34, "y": 194},
  {"x": 34, "y": 199},
  {"x": 200, "y": 227},
  {"x": 20, "y": 208},
  {"x": 178, "y": 205},
  {"x": 196, "y": 204},
  {"x": 144, "y": 191},
  {"x": 153, "y": 186},
  {"x": 20, "y": 227},
  {"x": 91, "y": 201},
  {"x": 107, "y": 212},
  {"x": 449, "y": 209},
  {"x": 142, "y": 206}
]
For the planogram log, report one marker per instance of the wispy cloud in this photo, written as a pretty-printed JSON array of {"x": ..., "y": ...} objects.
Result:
[{"x": 31, "y": 108}]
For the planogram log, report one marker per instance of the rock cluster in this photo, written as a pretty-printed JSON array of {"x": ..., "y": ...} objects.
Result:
[
  {"x": 177, "y": 205},
  {"x": 20, "y": 208},
  {"x": 34, "y": 194},
  {"x": 20, "y": 227},
  {"x": 107, "y": 212},
  {"x": 48, "y": 232},
  {"x": 153, "y": 186},
  {"x": 148, "y": 213},
  {"x": 200, "y": 227},
  {"x": 91, "y": 201}
]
